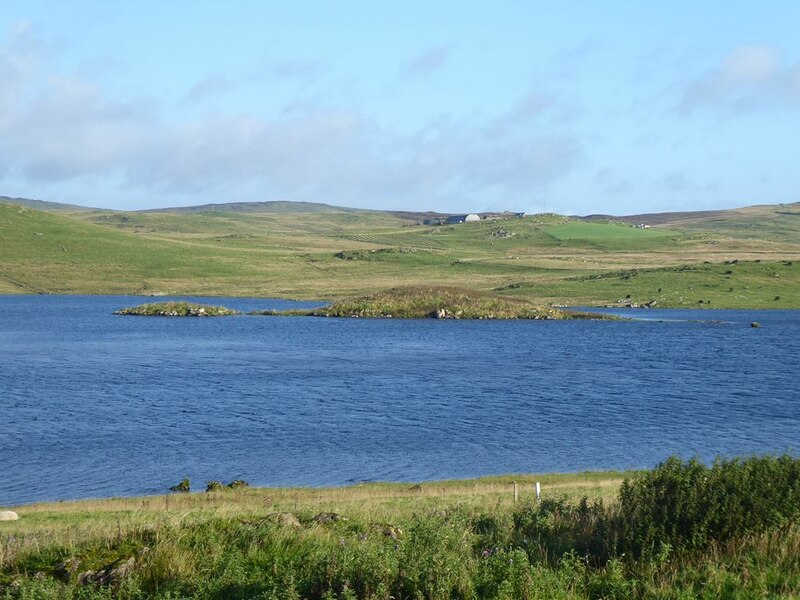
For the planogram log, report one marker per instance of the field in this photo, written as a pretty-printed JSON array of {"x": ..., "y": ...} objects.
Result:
[
  {"x": 682, "y": 530},
  {"x": 736, "y": 259}
]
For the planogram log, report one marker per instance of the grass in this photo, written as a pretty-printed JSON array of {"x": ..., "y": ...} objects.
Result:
[
  {"x": 613, "y": 236},
  {"x": 440, "y": 303},
  {"x": 340, "y": 254},
  {"x": 752, "y": 284},
  {"x": 682, "y": 530},
  {"x": 176, "y": 309}
]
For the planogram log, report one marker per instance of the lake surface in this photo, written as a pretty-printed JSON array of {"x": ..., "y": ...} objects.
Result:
[{"x": 95, "y": 405}]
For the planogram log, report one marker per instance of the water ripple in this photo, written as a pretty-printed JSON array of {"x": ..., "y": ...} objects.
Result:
[{"x": 98, "y": 405}]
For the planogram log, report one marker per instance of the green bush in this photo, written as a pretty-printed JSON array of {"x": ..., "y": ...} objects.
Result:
[
  {"x": 689, "y": 505},
  {"x": 556, "y": 527}
]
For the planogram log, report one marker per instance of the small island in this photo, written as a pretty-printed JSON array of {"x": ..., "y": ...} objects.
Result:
[
  {"x": 436, "y": 303},
  {"x": 417, "y": 302},
  {"x": 176, "y": 309}
]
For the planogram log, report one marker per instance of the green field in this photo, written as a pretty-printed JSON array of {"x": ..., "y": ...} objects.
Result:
[
  {"x": 682, "y": 530},
  {"x": 336, "y": 253}
]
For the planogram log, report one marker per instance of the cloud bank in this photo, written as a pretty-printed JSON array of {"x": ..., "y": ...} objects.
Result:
[
  {"x": 748, "y": 78},
  {"x": 57, "y": 128}
]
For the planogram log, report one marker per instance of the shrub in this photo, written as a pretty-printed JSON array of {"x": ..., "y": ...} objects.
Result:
[
  {"x": 689, "y": 505},
  {"x": 557, "y": 527},
  {"x": 184, "y": 486}
]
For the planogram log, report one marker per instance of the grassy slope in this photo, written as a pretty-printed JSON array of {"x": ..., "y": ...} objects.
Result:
[{"x": 544, "y": 258}]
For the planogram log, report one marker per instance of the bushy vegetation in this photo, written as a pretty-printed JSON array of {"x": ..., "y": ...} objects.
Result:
[
  {"x": 376, "y": 254},
  {"x": 687, "y": 505},
  {"x": 176, "y": 309},
  {"x": 682, "y": 530},
  {"x": 438, "y": 303}
]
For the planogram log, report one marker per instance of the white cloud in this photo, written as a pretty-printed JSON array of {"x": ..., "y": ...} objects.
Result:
[
  {"x": 57, "y": 128},
  {"x": 748, "y": 78},
  {"x": 71, "y": 128}
]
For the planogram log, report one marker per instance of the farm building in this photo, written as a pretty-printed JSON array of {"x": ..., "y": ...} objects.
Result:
[{"x": 470, "y": 218}]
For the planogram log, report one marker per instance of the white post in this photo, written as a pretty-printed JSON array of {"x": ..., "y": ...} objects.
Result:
[
  {"x": 515, "y": 492},
  {"x": 538, "y": 492}
]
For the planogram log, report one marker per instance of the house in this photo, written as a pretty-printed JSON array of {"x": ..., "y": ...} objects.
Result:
[{"x": 470, "y": 218}]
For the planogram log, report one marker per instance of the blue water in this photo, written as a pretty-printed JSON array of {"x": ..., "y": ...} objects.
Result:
[{"x": 96, "y": 405}]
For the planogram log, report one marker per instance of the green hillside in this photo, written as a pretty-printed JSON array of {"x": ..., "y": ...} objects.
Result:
[{"x": 334, "y": 253}]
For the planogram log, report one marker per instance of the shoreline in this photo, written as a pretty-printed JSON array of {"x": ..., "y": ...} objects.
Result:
[
  {"x": 322, "y": 302},
  {"x": 577, "y": 479},
  {"x": 495, "y": 538}
]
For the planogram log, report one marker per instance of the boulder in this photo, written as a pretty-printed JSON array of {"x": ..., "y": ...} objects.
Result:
[
  {"x": 288, "y": 520},
  {"x": 69, "y": 567},
  {"x": 8, "y": 515},
  {"x": 328, "y": 517},
  {"x": 389, "y": 530},
  {"x": 110, "y": 575}
]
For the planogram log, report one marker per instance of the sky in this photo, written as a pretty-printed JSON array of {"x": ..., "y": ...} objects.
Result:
[{"x": 575, "y": 107}]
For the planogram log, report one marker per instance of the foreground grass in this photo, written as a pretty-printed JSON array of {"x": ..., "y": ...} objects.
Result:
[{"x": 680, "y": 531}]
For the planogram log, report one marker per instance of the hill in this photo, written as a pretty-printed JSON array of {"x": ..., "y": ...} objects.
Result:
[
  {"x": 43, "y": 204},
  {"x": 258, "y": 207},
  {"x": 334, "y": 253}
]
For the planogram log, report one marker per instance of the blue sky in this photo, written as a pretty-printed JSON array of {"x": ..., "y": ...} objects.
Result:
[{"x": 575, "y": 107}]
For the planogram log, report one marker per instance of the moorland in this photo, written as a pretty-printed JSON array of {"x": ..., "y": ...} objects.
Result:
[{"x": 741, "y": 258}]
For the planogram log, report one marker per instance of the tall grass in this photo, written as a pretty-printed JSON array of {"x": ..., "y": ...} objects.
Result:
[{"x": 681, "y": 530}]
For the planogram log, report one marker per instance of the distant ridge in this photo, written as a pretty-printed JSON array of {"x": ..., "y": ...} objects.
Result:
[
  {"x": 44, "y": 204},
  {"x": 278, "y": 206},
  {"x": 694, "y": 215},
  {"x": 259, "y": 207}
]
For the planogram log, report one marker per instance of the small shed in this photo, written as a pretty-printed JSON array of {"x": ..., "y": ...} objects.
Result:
[{"x": 472, "y": 218}]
